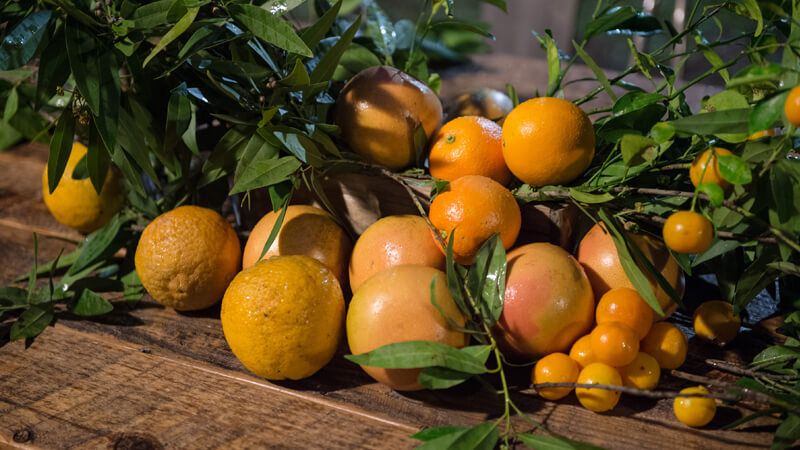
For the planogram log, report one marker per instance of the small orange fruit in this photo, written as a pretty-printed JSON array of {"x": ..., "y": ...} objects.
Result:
[
  {"x": 581, "y": 351},
  {"x": 283, "y": 317},
  {"x": 705, "y": 168},
  {"x": 555, "y": 368},
  {"x": 625, "y": 305},
  {"x": 305, "y": 230},
  {"x": 598, "y": 255},
  {"x": 476, "y": 207},
  {"x": 688, "y": 232},
  {"x": 792, "y": 106},
  {"x": 761, "y": 134},
  {"x": 186, "y": 257},
  {"x": 469, "y": 145},
  {"x": 598, "y": 400},
  {"x": 695, "y": 411},
  {"x": 394, "y": 305},
  {"x": 379, "y": 110},
  {"x": 667, "y": 344},
  {"x": 392, "y": 241},
  {"x": 714, "y": 321},
  {"x": 614, "y": 343},
  {"x": 547, "y": 141},
  {"x": 642, "y": 373}
]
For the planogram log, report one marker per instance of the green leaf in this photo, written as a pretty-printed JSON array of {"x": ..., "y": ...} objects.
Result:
[
  {"x": 420, "y": 144},
  {"x": 596, "y": 70},
  {"x": 269, "y": 28},
  {"x": 99, "y": 244},
  {"x": 634, "y": 101},
  {"x": 767, "y": 112},
  {"x": 12, "y": 104},
  {"x": 179, "y": 115},
  {"x": 729, "y": 100},
  {"x": 313, "y": 34},
  {"x": 419, "y": 354},
  {"x": 12, "y": 296},
  {"x": 754, "y": 12},
  {"x": 715, "y": 193},
  {"x": 442, "y": 378},
  {"x": 585, "y": 197},
  {"x": 297, "y": 77},
  {"x": 355, "y": 59},
  {"x": 91, "y": 304},
  {"x": 454, "y": 281},
  {"x": 51, "y": 70},
  {"x": 457, "y": 24},
  {"x": 132, "y": 288},
  {"x": 97, "y": 160},
  {"x": 552, "y": 443},
  {"x": 512, "y": 94},
  {"x": 155, "y": 14},
  {"x": 380, "y": 29},
  {"x": 280, "y": 7},
  {"x": 265, "y": 173},
  {"x": 662, "y": 132},
  {"x": 784, "y": 178},
  {"x": 445, "y": 441},
  {"x": 276, "y": 227},
  {"x": 734, "y": 169},
  {"x": 32, "y": 322},
  {"x": 553, "y": 62},
  {"x": 611, "y": 20},
  {"x": 486, "y": 279},
  {"x": 179, "y": 28},
  {"x": 60, "y": 147},
  {"x": 731, "y": 121},
  {"x": 20, "y": 44},
  {"x": 479, "y": 437},
  {"x": 430, "y": 434},
  {"x": 712, "y": 57},
  {"x": 636, "y": 149},
  {"x": 757, "y": 74},
  {"x": 788, "y": 432},
  {"x": 327, "y": 65}
]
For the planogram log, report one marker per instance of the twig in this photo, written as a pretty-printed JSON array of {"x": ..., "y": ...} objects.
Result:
[
  {"x": 755, "y": 397},
  {"x": 739, "y": 370}
]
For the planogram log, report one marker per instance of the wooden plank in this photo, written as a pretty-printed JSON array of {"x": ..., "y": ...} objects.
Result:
[{"x": 74, "y": 390}]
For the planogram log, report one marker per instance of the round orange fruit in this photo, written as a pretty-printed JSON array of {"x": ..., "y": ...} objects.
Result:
[
  {"x": 625, "y": 305},
  {"x": 705, "y": 168},
  {"x": 392, "y": 241},
  {"x": 476, "y": 207},
  {"x": 548, "y": 302},
  {"x": 468, "y": 145},
  {"x": 547, "y": 141},
  {"x": 792, "y": 106},
  {"x": 379, "y": 110},
  {"x": 306, "y": 230},
  {"x": 395, "y": 306}
]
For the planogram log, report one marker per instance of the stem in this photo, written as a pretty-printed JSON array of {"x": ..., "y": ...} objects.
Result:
[
  {"x": 742, "y": 395},
  {"x": 738, "y": 370}
]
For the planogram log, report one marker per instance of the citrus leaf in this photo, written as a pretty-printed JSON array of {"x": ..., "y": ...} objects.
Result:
[
  {"x": 60, "y": 147},
  {"x": 479, "y": 437},
  {"x": 380, "y": 29},
  {"x": 327, "y": 65},
  {"x": 269, "y": 28},
  {"x": 154, "y": 14},
  {"x": 553, "y": 63},
  {"x": 585, "y": 197},
  {"x": 99, "y": 244},
  {"x": 430, "y": 434},
  {"x": 313, "y": 34},
  {"x": 280, "y": 7},
  {"x": 596, "y": 70},
  {"x": 767, "y": 112},
  {"x": 715, "y": 193},
  {"x": 20, "y": 44},
  {"x": 486, "y": 279},
  {"x": 634, "y": 101},
  {"x": 297, "y": 77},
  {"x": 442, "y": 378},
  {"x": 12, "y": 104},
  {"x": 512, "y": 94},
  {"x": 444, "y": 441},
  {"x": 454, "y": 282},
  {"x": 754, "y": 12},
  {"x": 636, "y": 149},
  {"x": 613, "y": 19},
  {"x": 734, "y": 169},
  {"x": 97, "y": 159},
  {"x": 419, "y": 354},
  {"x": 276, "y": 227},
  {"x": 173, "y": 33},
  {"x": 728, "y": 121},
  {"x": 91, "y": 304},
  {"x": 265, "y": 173},
  {"x": 662, "y": 132},
  {"x": 788, "y": 432},
  {"x": 32, "y": 322}
]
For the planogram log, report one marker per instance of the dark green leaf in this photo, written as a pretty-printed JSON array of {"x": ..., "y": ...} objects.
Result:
[
  {"x": 767, "y": 112},
  {"x": 130, "y": 139},
  {"x": 419, "y": 354},
  {"x": 734, "y": 169},
  {"x": 355, "y": 59},
  {"x": 612, "y": 20},
  {"x": 479, "y": 437},
  {"x": 585, "y": 197},
  {"x": 60, "y": 147},
  {"x": 265, "y": 173},
  {"x": 20, "y": 44},
  {"x": 178, "y": 29},
  {"x": 151, "y": 15},
  {"x": 552, "y": 443},
  {"x": 454, "y": 281},
  {"x": 280, "y": 7},
  {"x": 757, "y": 74},
  {"x": 715, "y": 193},
  {"x": 729, "y": 121},
  {"x": 784, "y": 178},
  {"x": 380, "y": 29},
  {"x": 596, "y": 70},
  {"x": 8, "y": 136},
  {"x": 12, "y": 104},
  {"x": 754, "y": 12},
  {"x": 313, "y": 34},
  {"x": 636, "y": 149},
  {"x": 99, "y": 244},
  {"x": 179, "y": 114},
  {"x": 32, "y": 322},
  {"x": 441, "y": 378},
  {"x": 788, "y": 432},
  {"x": 444, "y": 441},
  {"x": 486, "y": 279},
  {"x": 512, "y": 93},
  {"x": 91, "y": 304},
  {"x": 457, "y": 24},
  {"x": 430, "y": 434},
  {"x": 97, "y": 159},
  {"x": 276, "y": 227},
  {"x": 269, "y": 28},
  {"x": 633, "y": 101},
  {"x": 327, "y": 65},
  {"x": 12, "y": 297}
]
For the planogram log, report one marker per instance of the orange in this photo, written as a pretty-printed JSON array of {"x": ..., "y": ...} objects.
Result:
[
  {"x": 667, "y": 344},
  {"x": 598, "y": 255},
  {"x": 581, "y": 351},
  {"x": 547, "y": 141},
  {"x": 695, "y": 411},
  {"x": 305, "y": 230},
  {"x": 761, "y": 134},
  {"x": 379, "y": 110},
  {"x": 714, "y": 321},
  {"x": 555, "y": 368},
  {"x": 75, "y": 203},
  {"x": 394, "y": 305},
  {"x": 186, "y": 257},
  {"x": 392, "y": 241},
  {"x": 595, "y": 399},
  {"x": 792, "y": 106},
  {"x": 486, "y": 102},
  {"x": 548, "y": 302},
  {"x": 469, "y": 145},
  {"x": 476, "y": 207},
  {"x": 614, "y": 343},
  {"x": 688, "y": 232},
  {"x": 283, "y": 317},
  {"x": 707, "y": 161},
  {"x": 642, "y": 373},
  {"x": 625, "y": 305}
]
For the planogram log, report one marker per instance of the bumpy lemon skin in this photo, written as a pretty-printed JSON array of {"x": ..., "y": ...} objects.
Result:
[
  {"x": 695, "y": 411},
  {"x": 283, "y": 317},
  {"x": 76, "y": 204}
]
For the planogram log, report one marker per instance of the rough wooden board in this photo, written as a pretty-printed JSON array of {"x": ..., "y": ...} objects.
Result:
[{"x": 73, "y": 389}]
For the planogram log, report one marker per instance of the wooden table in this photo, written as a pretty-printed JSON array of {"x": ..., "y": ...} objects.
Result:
[{"x": 149, "y": 377}]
